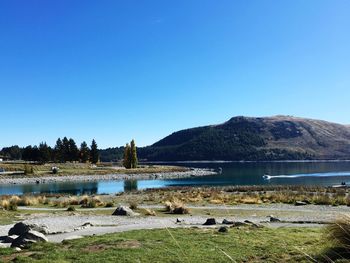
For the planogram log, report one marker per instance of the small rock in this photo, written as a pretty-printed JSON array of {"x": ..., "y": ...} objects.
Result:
[
  {"x": 87, "y": 224},
  {"x": 210, "y": 221},
  {"x": 18, "y": 249},
  {"x": 179, "y": 220},
  {"x": 227, "y": 222},
  {"x": 72, "y": 238},
  {"x": 124, "y": 211},
  {"x": 237, "y": 224},
  {"x": 253, "y": 224},
  {"x": 300, "y": 203},
  {"x": 274, "y": 219},
  {"x": 223, "y": 229}
]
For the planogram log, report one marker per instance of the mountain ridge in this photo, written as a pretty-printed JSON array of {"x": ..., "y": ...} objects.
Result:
[{"x": 279, "y": 137}]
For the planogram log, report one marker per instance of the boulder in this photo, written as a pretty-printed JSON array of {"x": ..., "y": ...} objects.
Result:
[
  {"x": 22, "y": 228},
  {"x": 227, "y": 222},
  {"x": 28, "y": 238},
  {"x": 124, "y": 211},
  {"x": 210, "y": 222}
]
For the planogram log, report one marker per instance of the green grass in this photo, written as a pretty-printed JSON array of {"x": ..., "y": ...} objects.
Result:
[
  {"x": 182, "y": 245},
  {"x": 86, "y": 169}
]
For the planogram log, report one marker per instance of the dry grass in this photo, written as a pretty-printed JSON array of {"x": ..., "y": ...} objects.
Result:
[
  {"x": 176, "y": 207},
  {"x": 149, "y": 212},
  {"x": 257, "y": 195},
  {"x": 133, "y": 205},
  {"x": 338, "y": 234}
]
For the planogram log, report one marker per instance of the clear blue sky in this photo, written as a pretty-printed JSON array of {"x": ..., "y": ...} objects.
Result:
[{"x": 116, "y": 70}]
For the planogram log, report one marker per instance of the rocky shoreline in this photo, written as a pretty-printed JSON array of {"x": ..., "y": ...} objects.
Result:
[{"x": 193, "y": 172}]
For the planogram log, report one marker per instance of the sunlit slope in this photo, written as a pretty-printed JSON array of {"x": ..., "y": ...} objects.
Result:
[{"x": 247, "y": 138}]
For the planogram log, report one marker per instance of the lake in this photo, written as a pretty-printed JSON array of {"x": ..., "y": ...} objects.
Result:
[{"x": 233, "y": 173}]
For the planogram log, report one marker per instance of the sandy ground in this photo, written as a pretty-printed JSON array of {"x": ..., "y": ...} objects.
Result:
[{"x": 62, "y": 226}]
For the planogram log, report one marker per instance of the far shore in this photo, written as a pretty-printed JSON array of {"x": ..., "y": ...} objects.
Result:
[{"x": 184, "y": 173}]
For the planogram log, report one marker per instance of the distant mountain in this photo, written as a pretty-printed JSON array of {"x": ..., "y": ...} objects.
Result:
[{"x": 247, "y": 138}]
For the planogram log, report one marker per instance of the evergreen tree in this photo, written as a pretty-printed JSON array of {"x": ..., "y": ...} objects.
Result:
[
  {"x": 84, "y": 152},
  {"x": 14, "y": 152},
  {"x": 44, "y": 153},
  {"x": 133, "y": 153},
  {"x": 31, "y": 153},
  {"x": 94, "y": 156},
  {"x": 73, "y": 152},
  {"x": 65, "y": 149},
  {"x": 27, "y": 153},
  {"x": 58, "y": 151},
  {"x": 127, "y": 157}
]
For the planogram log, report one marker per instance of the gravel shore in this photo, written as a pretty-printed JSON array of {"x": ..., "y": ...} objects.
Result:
[{"x": 93, "y": 178}]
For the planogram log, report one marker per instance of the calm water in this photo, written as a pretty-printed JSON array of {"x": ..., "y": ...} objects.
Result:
[{"x": 308, "y": 173}]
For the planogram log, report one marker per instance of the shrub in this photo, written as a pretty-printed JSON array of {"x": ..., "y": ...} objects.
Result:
[
  {"x": 73, "y": 201},
  {"x": 133, "y": 205},
  {"x": 28, "y": 169},
  {"x": 84, "y": 200},
  {"x": 109, "y": 204},
  {"x": 8, "y": 205},
  {"x": 28, "y": 201},
  {"x": 149, "y": 212},
  {"x": 15, "y": 199},
  {"x": 12, "y": 207},
  {"x": 176, "y": 207},
  {"x": 71, "y": 209},
  {"x": 92, "y": 203},
  {"x": 5, "y": 204}
]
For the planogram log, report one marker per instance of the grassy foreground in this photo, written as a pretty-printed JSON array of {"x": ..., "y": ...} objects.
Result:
[{"x": 182, "y": 245}]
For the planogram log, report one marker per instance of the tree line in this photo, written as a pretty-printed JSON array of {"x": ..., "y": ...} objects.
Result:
[{"x": 65, "y": 150}]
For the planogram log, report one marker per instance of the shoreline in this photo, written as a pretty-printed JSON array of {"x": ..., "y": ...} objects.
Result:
[
  {"x": 193, "y": 172},
  {"x": 244, "y": 161}
]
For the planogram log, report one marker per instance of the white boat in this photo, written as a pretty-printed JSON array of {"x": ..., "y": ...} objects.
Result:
[{"x": 266, "y": 177}]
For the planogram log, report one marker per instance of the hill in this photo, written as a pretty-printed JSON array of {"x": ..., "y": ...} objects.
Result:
[{"x": 248, "y": 138}]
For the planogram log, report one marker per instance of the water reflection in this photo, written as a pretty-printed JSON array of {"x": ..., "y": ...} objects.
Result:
[
  {"x": 232, "y": 174},
  {"x": 130, "y": 185}
]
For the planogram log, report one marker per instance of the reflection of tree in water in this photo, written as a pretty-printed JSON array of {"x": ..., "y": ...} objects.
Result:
[
  {"x": 130, "y": 185},
  {"x": 67, "y": 188}
]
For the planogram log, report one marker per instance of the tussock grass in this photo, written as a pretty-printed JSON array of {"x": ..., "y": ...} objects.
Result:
[
  {"x": 149, "y": 212},
  {"x": 176, "y": 207},
  {"x": 133, "y": 205},
  {"x": 109, "y": 204},
  {"x": 71, "y": 209},
  {"x": 338, "y": 235},
  {"x": 249, "y": 195}
]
